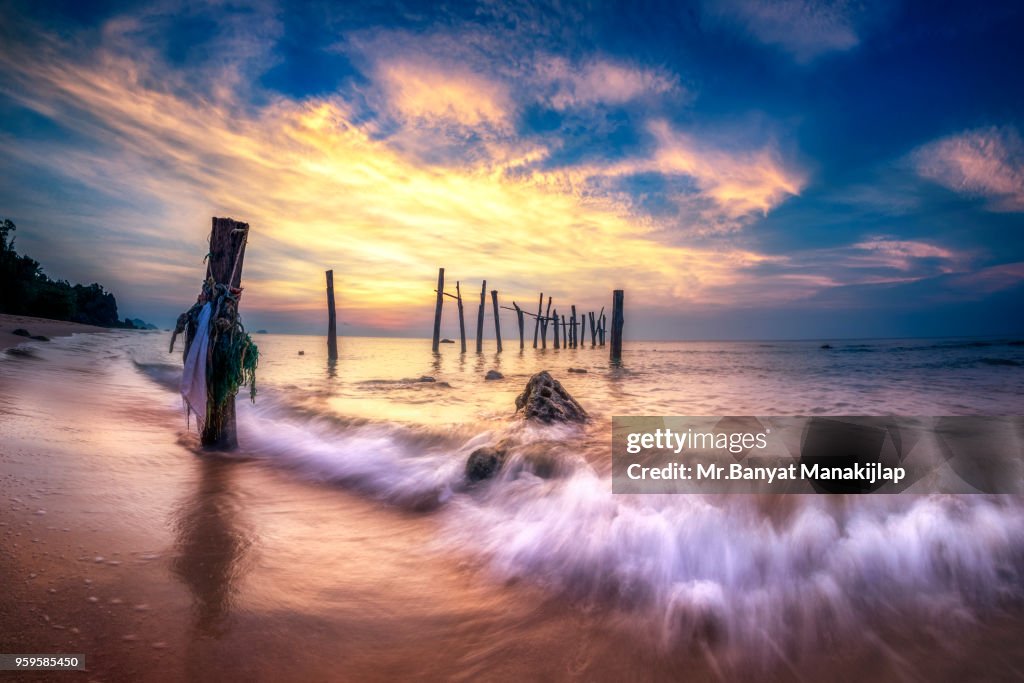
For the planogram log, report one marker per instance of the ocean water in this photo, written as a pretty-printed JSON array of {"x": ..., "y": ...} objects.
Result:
[{"x": 753, "y": 578}]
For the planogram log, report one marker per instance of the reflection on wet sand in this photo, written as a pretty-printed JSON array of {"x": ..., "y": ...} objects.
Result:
[{"x": 213, "y": 543}]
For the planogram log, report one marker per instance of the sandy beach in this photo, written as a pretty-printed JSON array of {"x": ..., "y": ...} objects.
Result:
[{"x": 39, "y": 327}]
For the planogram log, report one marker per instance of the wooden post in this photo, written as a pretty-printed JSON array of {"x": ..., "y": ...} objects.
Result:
[
  {"x": 497, "y": 318},
  {"x": 556, "y": 329},
  {"x": 600, "y": 326},
  {"x": 536, "y": 326},
  {"x": 544, "y": 327},
  {"x": 593, "y": 330},
  {"x": 519, "y": 318},
  {"x": 332, "y": 321},
  {"x": 437, "y": 309},
  {"x": 617, "y": 321},
  {"x": 575, "y": 339},
  {"x": 227, "y": 251},
  {"x": 462, "y": 319},
  {"x": 480, "y": 319}
]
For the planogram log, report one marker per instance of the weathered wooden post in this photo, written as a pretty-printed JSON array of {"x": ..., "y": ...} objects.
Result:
[
  {"x": 565, "y": 331},
  {"x": 224, "y": 266},
  {"x": 462, "y": 320},
  {"x": 617, "y": 321},
  {"x": 544, "y": 326},
  {"x": 536, "y": 326},
  {"x": 497, "y": 318},
  {"x": 519, "y": 319},
  {"x": 601, "y": 324},
  {"x": 332, "y": 321},
  {"x": 593, "y": 329},
  {"x": 480, "y": 319},
  {"x": 575, "y": 339},
  {"x": 556, "y": 329},
  {"x": 437, "y": 309}
]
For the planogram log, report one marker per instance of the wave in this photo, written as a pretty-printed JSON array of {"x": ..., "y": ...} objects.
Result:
[
  {"x": 752, "y": 574},
  {"x": 729, "y": 570}
]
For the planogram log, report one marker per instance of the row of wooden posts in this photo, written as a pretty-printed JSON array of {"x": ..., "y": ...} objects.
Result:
[
  {"x": 572, "y": 329},
  {"x": 227, "y": 251}
]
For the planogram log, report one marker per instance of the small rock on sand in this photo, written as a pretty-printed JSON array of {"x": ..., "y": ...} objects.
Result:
[
  {"x": 578, "y": 370},
  {"x": 494, "y": 374}
]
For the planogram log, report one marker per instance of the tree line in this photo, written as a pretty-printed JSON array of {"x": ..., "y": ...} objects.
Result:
[{"x": 26, "y": 290}]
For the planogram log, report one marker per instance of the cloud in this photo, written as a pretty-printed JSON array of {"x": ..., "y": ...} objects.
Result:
[
  {"x": 716, "y": 190},
  {"x": 321, "y": 187},
  {"x": 986, "y": 162},
  {"x": 435, "y": 94},
  {"x": 904, "y": 255},
  {"x": 601, "y": 81},
  {"x": 803, "y": 28}
]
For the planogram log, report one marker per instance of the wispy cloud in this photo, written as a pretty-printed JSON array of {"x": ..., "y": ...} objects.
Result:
[
  {"x": 986, "y": 162},
  {"x": 437, "y": 95},
  {"x": 322, "y": 189},
  {"x": 600, "y": 81},
  {"x": 803, "y": 28}
]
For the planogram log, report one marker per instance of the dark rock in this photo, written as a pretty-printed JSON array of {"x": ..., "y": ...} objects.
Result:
[
  {"x": 39, "y": 337},
  {"x": 544, "y": 399},
  {"x": 426, "y": 378},
  {"x": 484, "y": 463},
  {"x": 826, "y": 346},
  {"x": 494, "y": 374},
  {"x": 302, "y": 353},
  {"x": 261, "y": 331},
  {"x": 578, "y": 370},
  {"x": 21, "y": 332},
  {"x": 447, "y": 341}
]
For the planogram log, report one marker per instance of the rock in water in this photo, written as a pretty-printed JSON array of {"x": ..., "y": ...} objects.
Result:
[
  {"x": 545, "y": 399},
  {"x": 578, "y": 370},
  {"x": 21, "y": 332},
  {"x": 484, "y": 462},
  {"x": 494, "y": 374}
]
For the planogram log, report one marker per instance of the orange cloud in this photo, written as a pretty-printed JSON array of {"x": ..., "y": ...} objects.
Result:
[{"x": 434, "y": 94}]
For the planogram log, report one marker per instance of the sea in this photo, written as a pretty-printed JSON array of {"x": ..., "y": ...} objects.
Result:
[{"x": 749, "y": 581}]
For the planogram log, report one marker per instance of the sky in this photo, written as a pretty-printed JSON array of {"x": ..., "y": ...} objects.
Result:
[{"x": 741, "y": 168}]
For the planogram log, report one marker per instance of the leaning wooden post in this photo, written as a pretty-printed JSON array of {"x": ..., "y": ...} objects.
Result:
[
  {"x": 437, "y": 309},
  {"x": 480, "y": 319},
  {"x": 556, "y": 329},
  {"x": 617, "y": 321},
  {"x": 332, "y": 320},
  {"x": 519, "y": 318},
  {"x": 497, "y": 318},
  {"x": 600, "y": 326},
  {"x": 462, "y": 320},
  {"x": 593, "y": 329},
  {"x": 536, "y": 326},
  {"x": 544, "y": 327},
  {"x": 224, "y": 265}
]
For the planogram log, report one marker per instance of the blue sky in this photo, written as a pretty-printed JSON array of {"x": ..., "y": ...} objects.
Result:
[{"x": 744, "y": 169}]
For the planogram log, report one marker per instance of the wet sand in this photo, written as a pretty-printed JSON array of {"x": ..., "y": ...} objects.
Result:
[{"x": 37, "y": 326}]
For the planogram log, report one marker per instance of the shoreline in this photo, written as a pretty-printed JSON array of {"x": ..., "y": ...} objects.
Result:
[{"x": 38, "y": 326}]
